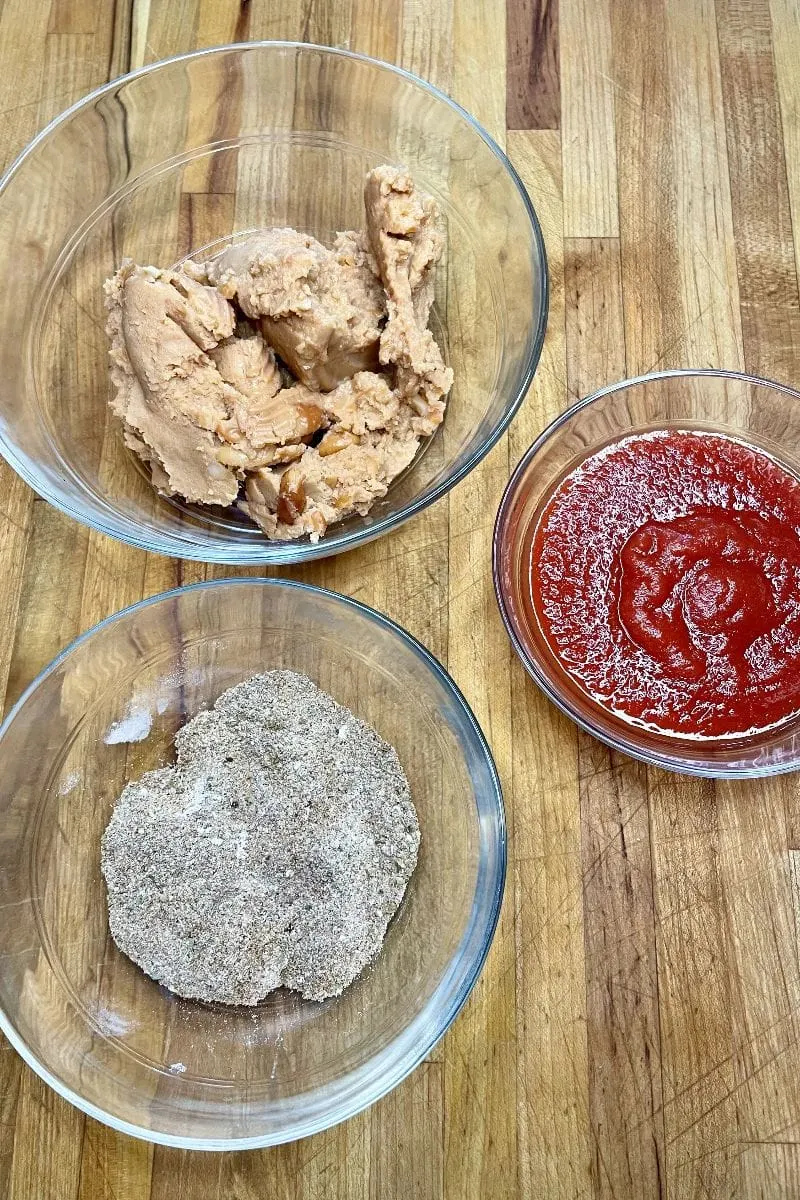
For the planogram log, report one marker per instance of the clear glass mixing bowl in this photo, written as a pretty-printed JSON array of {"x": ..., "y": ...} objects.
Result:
[
  {"x": 206, "y": 1076},
  {"x": 766, "y": 415},
  {"x": 188, "y": 153}
]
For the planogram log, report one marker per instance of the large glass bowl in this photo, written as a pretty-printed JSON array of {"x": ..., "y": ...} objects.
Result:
[
  {"x": 207, "y": 1076},
  {"x": 766, "y": 415},
  {"x": 187, "y": 154}
]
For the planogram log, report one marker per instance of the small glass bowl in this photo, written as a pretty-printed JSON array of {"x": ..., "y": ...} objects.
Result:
[
  {"x": 206, "y": 1076},
  {"x": 766, "y": 415},
  {"x": 187, "y": 155}
]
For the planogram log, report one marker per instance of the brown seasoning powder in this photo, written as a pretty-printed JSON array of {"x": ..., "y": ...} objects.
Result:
[{"x": 273, "y": 853}]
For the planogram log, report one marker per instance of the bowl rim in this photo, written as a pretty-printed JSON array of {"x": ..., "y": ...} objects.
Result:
[
  {"x": 667, "y": 761},
  {"x": 177, "y": 543},
  {"x": 413, "y": 1044}
]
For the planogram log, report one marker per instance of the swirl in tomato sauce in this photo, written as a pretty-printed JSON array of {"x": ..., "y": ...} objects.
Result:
[{"x": 665, "y": 577}]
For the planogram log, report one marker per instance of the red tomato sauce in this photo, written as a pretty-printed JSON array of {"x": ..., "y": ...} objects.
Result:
[{"x": 665, "y": 579}]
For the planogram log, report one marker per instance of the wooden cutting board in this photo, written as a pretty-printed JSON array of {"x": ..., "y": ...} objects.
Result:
[{"x": 634, "y": 1033}]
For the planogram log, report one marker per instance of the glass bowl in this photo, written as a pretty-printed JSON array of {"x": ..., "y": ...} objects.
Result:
[
  {"x": 188, "y": 153},
  {"x": 766, "y": 415},
  {"x": 207, "y": 1076}
]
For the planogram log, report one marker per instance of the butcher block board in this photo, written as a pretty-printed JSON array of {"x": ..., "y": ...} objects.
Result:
[{"x": 635, "y": 1030}]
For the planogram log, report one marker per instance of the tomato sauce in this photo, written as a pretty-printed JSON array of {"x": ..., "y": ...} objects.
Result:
[{"x": 665, "y": 579}]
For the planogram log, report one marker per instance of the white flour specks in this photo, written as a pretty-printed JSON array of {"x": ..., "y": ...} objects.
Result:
[{"x": 134, "y": 727}]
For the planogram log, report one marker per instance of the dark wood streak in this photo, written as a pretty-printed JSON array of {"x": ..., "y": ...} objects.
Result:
[
  {"x": 623, "y": 1040},
  {"x": 533, "y": 94}
]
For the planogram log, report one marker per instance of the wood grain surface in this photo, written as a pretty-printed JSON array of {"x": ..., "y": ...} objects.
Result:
[{"x": 635, "y": 1030}]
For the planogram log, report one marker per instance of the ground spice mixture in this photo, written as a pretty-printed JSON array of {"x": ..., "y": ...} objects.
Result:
[{"x": 273, "y": 853}]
